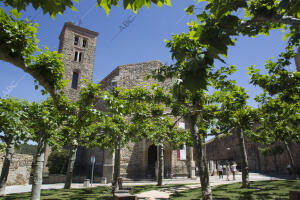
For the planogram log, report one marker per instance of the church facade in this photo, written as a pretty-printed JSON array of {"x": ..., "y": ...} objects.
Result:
[{"x": 138, "y": 160}]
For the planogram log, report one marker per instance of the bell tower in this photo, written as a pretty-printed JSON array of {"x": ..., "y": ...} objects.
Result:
[{"x": 78, "y": 45}]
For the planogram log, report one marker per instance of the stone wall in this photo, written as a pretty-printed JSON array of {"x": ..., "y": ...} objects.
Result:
[
  {"x": 19, "y": 171},
  {"x": 85, "y": 67},
  {"x": 134, "y": 157},
  {"x": 227, "y": 148}
]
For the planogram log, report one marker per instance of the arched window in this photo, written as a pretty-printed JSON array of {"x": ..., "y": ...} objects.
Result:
[
  {"x": 76, "y": 55},
  {"x": 79, "y": 58},
  {"x": 76, "y": 40},
  {"x": 75, "y": 80},
  {"x": 84, "y": 42}
]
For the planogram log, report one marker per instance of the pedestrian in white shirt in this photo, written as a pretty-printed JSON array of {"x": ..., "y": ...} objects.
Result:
[
  {"x": 220, "y": 170},
  {"x": 233, "y": 169}
]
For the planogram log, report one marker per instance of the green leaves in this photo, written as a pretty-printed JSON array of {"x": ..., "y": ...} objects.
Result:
[
  {"x": 17, "y": 36},
  {"x": 16, "y": 14},
  {"x": 14, "y": 120},
  {"x": 49, "y": 65},
  {"x": 52, "y": 7},
  {"x": 279, "y": 80},
  {"x": 134, "y": 5},
  {"x": 190, "y": 10}
]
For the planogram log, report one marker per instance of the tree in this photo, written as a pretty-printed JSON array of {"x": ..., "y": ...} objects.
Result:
[
  {"x": 45, "y": 124},
  {"x": 80, "y": 125},
  {"x": 199, "y": 110},
  {"x": 134, "y": 114},
  {"x": 26, "y": 149},
  {"x": 238, "y": 116},
  {"x": 218, "y": 24},
  {"x": 61, "y": 5},
  {"x": 278, "y": 123},
  {"x": 19, "y": 46},
  {"x": 192, "y": 99},
  {"x": 116, "y": 127},
  {"x": 15, "y": 128},
  {"x": 154, "y": 121},
  {"x": 280, "y": 105}
]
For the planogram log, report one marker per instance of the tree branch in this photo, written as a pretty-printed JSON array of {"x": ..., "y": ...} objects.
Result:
[
  {"x": 20, "y": 63},
  {"x": 282, "y": 19}
]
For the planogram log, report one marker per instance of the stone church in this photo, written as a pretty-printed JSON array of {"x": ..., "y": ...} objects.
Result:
[{"x": 138, "y": 160}]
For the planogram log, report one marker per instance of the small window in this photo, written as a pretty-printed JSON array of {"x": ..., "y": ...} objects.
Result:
[
  {"x": 74, "y": 80},
  {"x": 76, "y": 56},
  {"x": 79, "y": 58},
  {"x": 84, "y": 42},
  {"x": 76, "y": 40},
  {"x": 114, "y": 83}
]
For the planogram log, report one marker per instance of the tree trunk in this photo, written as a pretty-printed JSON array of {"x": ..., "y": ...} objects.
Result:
[
  {"x": 116, "y": 174},
  {"x": 160, "y": 165},
  {"x": 10, "y": 150},
  {"x": 292, "y": 163},
  {"x": 198, "y": 142},
  {"x": 72, "y": 158},
  {"x": 38, "y": 168},
  {"x": 245, "y": 167}
]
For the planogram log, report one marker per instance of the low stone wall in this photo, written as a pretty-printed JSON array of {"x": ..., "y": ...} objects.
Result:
[
  {"x": 19, "y": 171},
  {"x": 61, "y": 178}
]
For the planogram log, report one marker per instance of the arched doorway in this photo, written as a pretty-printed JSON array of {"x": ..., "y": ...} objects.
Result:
[{"x": 152, "y": 158}]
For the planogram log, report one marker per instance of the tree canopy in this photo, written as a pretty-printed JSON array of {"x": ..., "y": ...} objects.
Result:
[{"x": 59, "y": 6}]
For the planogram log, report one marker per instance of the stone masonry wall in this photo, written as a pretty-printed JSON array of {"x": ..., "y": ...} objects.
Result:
[
  {"x": 19, "y": 171},
  {"x": 134, "y": 157},
  {"x": 227, "y": 148},
  {"x": 85, "y": 68}
]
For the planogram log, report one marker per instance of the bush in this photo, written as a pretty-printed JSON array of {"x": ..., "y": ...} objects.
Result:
[
  {"x": 58, "y": 162},
  {"x": 26, "y": 149}
]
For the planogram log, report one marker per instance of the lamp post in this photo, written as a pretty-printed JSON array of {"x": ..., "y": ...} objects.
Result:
[{"x": 93, "y": 159}]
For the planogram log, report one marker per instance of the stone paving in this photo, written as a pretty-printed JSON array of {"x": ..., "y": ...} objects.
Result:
[{"x": 154, "y": 194}]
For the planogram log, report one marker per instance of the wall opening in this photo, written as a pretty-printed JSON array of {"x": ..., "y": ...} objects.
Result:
[
  {"x": 79, "y": 58},
  {"x": 84, "y": 42},
  {"x": 75, "y": 80},
  {"x": 76, "y": 55},
  {"x": 152, "y": 158},
  {"x": 76, "y": 40}
]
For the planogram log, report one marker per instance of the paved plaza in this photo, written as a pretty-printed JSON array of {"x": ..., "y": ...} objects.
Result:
[{"x": 154, "y": 194}]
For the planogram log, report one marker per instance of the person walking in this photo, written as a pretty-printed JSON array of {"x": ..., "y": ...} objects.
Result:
[
  {"x": 233, "y": 169},
  {"x": 227, "y": 171},
  {"x": 224, "y": 169},
  {"x": 220, "y": 170}
]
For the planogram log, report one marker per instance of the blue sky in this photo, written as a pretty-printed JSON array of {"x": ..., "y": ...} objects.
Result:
[{"x": 142, "y": 40}]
